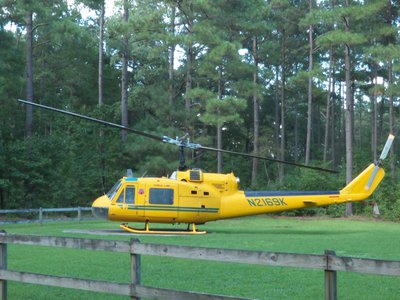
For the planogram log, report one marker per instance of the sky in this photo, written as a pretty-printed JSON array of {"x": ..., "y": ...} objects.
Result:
[{"x": 87, "y": 13}]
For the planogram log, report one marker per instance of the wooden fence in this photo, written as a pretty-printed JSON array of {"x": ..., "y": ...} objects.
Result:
[
  {"x": 328, "y": 262},
  {"x": 41, "y": 218}
]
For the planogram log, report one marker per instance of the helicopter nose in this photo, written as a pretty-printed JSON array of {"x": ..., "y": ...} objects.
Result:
[{"x": 100, "y": 207}]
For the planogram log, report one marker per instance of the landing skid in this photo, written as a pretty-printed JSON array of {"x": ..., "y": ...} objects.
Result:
[{"x": 147, "y": 230}]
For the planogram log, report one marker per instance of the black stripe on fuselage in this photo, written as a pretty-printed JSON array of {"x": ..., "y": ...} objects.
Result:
[{"x": 287, "y": 193}]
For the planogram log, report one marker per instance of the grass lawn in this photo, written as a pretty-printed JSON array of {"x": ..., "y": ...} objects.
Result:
[{"x": 359, "y": 238}]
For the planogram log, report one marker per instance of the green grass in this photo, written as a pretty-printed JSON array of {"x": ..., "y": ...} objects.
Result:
[{"x": 367, "y": 239}]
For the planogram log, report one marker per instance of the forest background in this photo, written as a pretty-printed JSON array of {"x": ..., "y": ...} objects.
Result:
[{"x": 313, "y": 82}]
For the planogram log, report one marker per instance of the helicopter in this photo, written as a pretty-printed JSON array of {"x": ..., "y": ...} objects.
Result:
[{"x": 194, "y": 197}]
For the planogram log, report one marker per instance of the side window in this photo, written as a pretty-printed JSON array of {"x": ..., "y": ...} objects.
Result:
[
  {"x": 121, "y": 197},
  {"x": 161, "y": 196},
  {"x": 130, "y": 195}
]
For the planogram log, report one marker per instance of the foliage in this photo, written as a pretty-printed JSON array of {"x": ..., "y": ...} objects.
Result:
[
  {"x": 221, "y": 111},
  {"x": 207, "y": 92}
]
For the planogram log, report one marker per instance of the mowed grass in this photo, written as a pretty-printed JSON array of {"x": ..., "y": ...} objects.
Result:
[{"x": 359, "y": 238}]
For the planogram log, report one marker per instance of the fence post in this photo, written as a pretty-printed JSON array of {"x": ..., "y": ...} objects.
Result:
[
  {"x": 40, "y": 215},
  {"x": 330, "y": 278},
  {"x": 79, "y": 213},
  {"x": 3, "y": 266},
  {"x": 135, "y": 268}
]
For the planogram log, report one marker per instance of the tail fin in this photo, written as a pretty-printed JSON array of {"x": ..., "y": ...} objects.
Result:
[
  {"x": 365, "y": 184},
  {"x": 359, "y": 188}
]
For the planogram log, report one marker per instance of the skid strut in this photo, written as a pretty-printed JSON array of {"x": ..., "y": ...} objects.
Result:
[{"x": 147, "y": 230}]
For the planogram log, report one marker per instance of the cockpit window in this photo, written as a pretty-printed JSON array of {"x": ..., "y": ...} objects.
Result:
[
  {"x": 127, "y": 195},
  {"x": 114, "y": 190},
  {"x": 130, "y": 195},
  {"x": 121, "y": 197}
]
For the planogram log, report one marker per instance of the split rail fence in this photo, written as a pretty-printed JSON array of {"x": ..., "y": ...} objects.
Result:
[
  {"x": 328, "y": 262},
  {"x": 41, "y": 215}
]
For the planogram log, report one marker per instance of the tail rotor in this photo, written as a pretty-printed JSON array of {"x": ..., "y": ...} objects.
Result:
[{"x": 383, "y": 156}]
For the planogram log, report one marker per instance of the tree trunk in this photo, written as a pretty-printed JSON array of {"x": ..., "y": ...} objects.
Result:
[
  {"x": 391, "y": 118},
  {"x": 310, "y": 96},
  {"x": 380, "y": 119},
  {"x": 348, "y": 115},
  {"x": 296, "y": 133},
  {"x": 329, "y": 102},
  {"x": 317, "y": 134},
  {"x": 360, "y": 123},
  {"x": 277, "y": 120},
  {"x": 219, "y": 146},
  {"x": 172, "y": 57},
  {"x": 101, "y": 60},
  {"x": 188, "y": 78},
  {"x": 2, "y": 199},
  {"x": 189, "y": 58},
  {"x": 333, "y": 123},
  {"x": 256, "y": 110},
  {"x": 391, "y": 40},
  {"x": 374, "y": 115},
  {"x": 29, "y": 75},
  {"x": 124, "y": 78},
  {"x": 101, "y": 93},
  {"x": 283, "y": 107},
  {"x": 219, "y": 126}
]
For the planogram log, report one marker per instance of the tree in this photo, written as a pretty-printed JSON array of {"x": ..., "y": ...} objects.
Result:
[
  {"x": 224, "y": 55},
  {"x": 310, "y": 87},
  {"x": 101, "y": 53},
  {"x": 21, "y": 14},
  {"x": 172, "y": 54},
  {"x": 220, "y": 112},
  {"x": 382, "y": 51},
  {"x": 349, "y": 35},
  {"x": 256, "y": 113},
  {"x": 29, "y": 73},
  {"x": 99, "y": 7},
  {"x": 187, "y": 10},
  {"x": 11, "y": 78},
  {"x": 254, "y": 40},
  {"x": 124, "y": 75},
  {"x": 284, "y": 16},
  {"x": 349, "y": 110}
]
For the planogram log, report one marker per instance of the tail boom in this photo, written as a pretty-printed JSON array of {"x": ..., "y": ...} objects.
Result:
[{"x": 261, "y": 202}]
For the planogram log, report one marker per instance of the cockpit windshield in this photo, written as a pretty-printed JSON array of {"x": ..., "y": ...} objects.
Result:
[{"x": 114, "y": 190}]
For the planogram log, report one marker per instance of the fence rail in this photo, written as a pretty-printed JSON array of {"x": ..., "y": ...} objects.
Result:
[
  {"x": 41, "y": 214},
  {"x": 328, "y": 262}
]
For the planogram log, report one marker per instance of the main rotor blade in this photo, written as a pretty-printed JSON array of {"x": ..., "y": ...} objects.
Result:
[
  {"x": 149, "y": 135},
  {"x": 266, "y": 158},
  {"x": 178, "y": 142}
]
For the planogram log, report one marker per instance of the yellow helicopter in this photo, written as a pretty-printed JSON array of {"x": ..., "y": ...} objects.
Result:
[{"x": 195, "y": 197}]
